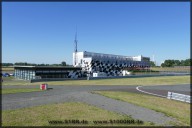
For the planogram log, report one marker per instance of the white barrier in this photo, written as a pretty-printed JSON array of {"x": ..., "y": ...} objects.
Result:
[{"x": 180, "y": 97}]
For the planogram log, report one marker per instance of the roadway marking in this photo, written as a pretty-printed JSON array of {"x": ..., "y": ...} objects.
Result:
[{"x": 149, "y": 92}]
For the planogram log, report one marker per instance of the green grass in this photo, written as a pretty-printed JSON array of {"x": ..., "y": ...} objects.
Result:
[
  {"x": 171, "y": 69},
  {"x": 40, "y": 115},
  {"x": 8, "y": 79},
  {"x": 19, "y": 90},
  {"x": 162, "y": 80},
  {"x": 7, "y": 69},
  {"x": 175, "y": 109}
]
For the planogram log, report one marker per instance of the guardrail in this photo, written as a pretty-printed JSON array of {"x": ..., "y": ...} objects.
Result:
[{"x": 180, "y": 97}]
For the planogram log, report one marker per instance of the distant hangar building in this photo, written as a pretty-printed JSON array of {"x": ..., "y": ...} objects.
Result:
[{"x": 111, "y": 65}]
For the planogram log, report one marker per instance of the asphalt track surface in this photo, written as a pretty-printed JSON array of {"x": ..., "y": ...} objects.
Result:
[{"x": 60, "y": 94}]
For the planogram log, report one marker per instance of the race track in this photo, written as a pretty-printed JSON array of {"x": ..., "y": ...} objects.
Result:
[
  {"x": 60, "y": 94},
  {"x": 63, "y": 93}
]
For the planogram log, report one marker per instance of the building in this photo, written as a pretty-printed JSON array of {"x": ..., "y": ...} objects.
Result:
[
  {"x": 112, "y": 65},
  {"x": 85, "y": 64},
  {"x": 44, "y": 72}
]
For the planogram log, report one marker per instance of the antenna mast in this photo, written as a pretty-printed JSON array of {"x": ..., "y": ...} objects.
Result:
[
  {"x": 75, "y": 44},
  {"x": 154, "y": 59}
]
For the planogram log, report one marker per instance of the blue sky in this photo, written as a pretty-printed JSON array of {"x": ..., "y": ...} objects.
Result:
[{"x": 44, "y": 32}]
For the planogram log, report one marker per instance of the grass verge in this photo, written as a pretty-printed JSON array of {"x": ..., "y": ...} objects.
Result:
[
  {"x": 171, "y": 69},
  {"x": 7, "y": 69},
  {"x": 19, "y": 90},
  {"x": 162, "y": 80},
  {"x": 41, "y": 115},
  {"x": 175, "y": 109}
]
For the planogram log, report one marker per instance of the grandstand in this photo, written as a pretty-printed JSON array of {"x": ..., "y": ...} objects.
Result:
[{"x": 112, "y": 65}]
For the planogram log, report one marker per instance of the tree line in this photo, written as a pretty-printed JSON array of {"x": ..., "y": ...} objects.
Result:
[
  {"x": 172, "y": 63},
  {"x": 63, "y": 63},
  {"x": 167, "y": 63}
]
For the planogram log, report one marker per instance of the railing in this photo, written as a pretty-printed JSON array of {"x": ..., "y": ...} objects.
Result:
[
  {"x": 180, "y": 97},
  {"x": 101, "y": 55}
]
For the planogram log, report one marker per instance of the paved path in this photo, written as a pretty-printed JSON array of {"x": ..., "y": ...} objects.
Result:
[
  {"x": 136, "y": 112},
  {"x": 58, "y": 94}
]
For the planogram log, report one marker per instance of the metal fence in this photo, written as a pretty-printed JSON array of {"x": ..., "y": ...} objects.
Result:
[{"x": 180, "y": 97}]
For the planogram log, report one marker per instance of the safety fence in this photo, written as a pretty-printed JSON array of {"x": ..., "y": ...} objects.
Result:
[{"x": 180, "y": 97}]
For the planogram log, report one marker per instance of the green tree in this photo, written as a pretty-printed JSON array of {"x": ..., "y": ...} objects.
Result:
[
  {"x": 177, "y": 63},
  {"x": 182, "y": 63},
  {"x": 63, "y": 63},
  {"x": 163, "y": 65},
  {"x": 187, "y": 62},
  {"x": 169, "y": 63},
  {"x": 7, "y": 64},
  {"x": 152, "y": 64},
  {"x": 21, "y": 63}
]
